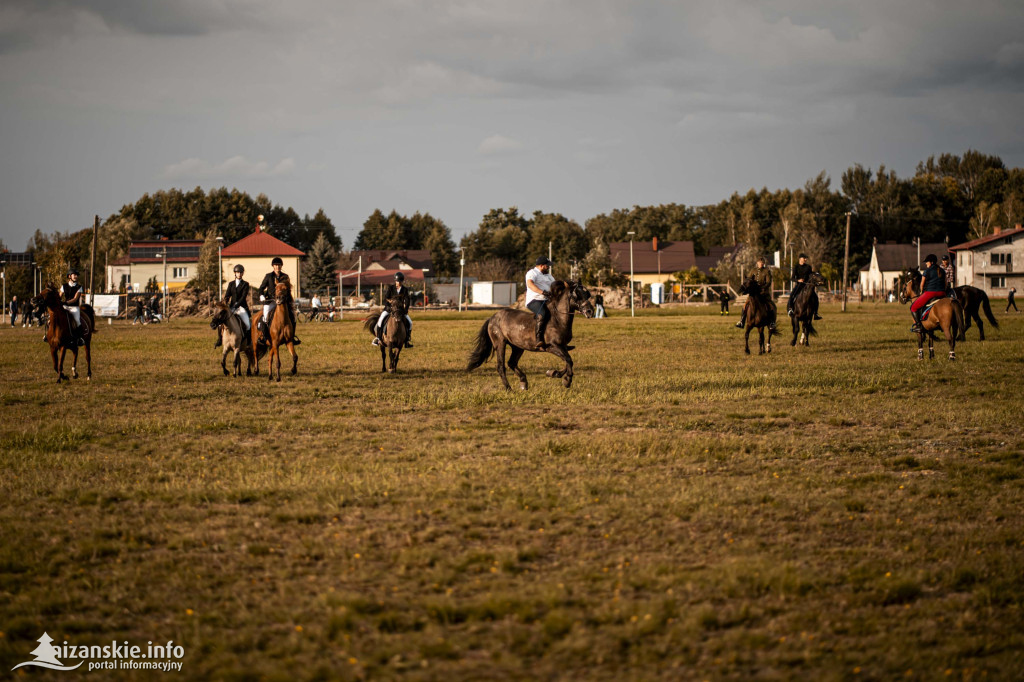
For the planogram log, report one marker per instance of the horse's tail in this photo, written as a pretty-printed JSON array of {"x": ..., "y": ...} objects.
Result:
[
  {"x": 371, "y": 322},
  {"x": 988, "y": 310},
  {"x": 810, "y": 327},
  {"x": 91, "y": 314},
  {"x": 483, "y": 350}
]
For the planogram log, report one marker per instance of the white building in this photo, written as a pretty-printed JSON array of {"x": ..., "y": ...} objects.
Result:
[
  {"x": 889, "y": 261},
  {"x": 993, "y": 263}
]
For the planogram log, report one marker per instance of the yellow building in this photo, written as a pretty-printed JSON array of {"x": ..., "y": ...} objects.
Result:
[
  {"x": 146, "y": 260},
  {"x": 254, "y": 252}
]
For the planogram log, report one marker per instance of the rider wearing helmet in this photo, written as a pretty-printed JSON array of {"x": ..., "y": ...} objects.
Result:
[
  {"x": 763, "y": 278},
  {"x": 933, "y": 285},
  {"x": 71, "y": 295},
  {"x": 398, "y": 290},
  {"x": 267, "y": 292},
  {"x": 237, "y": 299},
  {"x": 538, "y": 283}
]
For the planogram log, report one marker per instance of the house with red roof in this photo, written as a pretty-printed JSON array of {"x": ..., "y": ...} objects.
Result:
[
  {"x": 993, "y": 263},
  {"x": 254, "y": 252}
]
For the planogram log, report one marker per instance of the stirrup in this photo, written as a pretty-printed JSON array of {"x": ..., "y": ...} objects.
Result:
[
  {"x": 375, "y": 342},
  {"x": 817, "y": 316},
  {"x": 739, "y": 325},
  {"x": 295, "y": 341}
]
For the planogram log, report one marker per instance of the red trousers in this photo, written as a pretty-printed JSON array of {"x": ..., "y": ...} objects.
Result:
[{"x": 923, "y": 299}]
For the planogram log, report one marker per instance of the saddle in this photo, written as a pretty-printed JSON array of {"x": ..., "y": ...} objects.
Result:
[{"x": 928, "y": 306}]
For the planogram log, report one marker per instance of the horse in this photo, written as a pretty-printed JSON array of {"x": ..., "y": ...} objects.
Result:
[
  {"x": 394, "y": 334},
  {"x": 58, "y": 331},
  {"x": 282, "y": 332},
  {"x": 945, "y": 314},
  {"x": 972, "y": 299},
  {"x": 232, "y": 336},
  {"x": 760, "y": 314},
  {"x": 805, "y": 307},
  {"x": 515, "y": 329}
]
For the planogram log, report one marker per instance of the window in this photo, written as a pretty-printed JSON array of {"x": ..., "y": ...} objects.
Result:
[
  {"x": 1001, "y": 258},
  {"x": 180, "y": 273},
  {"x": 998, "y": 282}
]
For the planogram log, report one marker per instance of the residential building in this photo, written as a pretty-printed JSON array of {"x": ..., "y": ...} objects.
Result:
[
  {"x": 254, "y": 252},
  {"x": 993, "y": 263},
  {"x": 654, "y": 261},
  {"x": 889, "y": 260},
  {"x": 145, "y": 262}
]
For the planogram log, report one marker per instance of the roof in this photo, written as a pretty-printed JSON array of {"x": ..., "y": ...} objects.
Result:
[
  {"x": 417, "y": 258},
  {"x": 966, "y": 246},
  {"x": 668, "y": 258},
  {"x": 260, "y": 244},
  {"x": 892, "y": 257},
  {"x": 375, "y": 277}
]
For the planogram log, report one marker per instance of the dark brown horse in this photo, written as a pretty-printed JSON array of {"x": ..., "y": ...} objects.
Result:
[
  {"x": 282, "y": 331},
  {"x": 974, "y": 300},
  {"x": 59, "y": 335},
  {"x": 394, "y": 334},
  {"x": 805, "y": 307},
  {"x": 760, "y": 313},
  {"x": 945, "y": 314},
  {"x": 232, "y": 335},
  {"x": 515, "y": 329}
]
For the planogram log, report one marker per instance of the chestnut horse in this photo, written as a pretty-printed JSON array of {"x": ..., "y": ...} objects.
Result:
[
  {"x": 945, "y": 314},
  {"x": 58, "y": 331},
  {"x": 760, "y": 313},
  {"x": 516, "y": 330},
  {"x": 394, "y": 334},
  {"x": 282, "y": 331},
  {"x": 232, "y": 338}
]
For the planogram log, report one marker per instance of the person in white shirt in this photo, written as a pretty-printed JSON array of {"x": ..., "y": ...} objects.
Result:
[
  {"x": 538, "y": 283},
  {"x": 315, "y": 306}
]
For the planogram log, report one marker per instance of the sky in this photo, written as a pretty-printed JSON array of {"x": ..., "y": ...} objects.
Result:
[{"x": 455, "y": 107}]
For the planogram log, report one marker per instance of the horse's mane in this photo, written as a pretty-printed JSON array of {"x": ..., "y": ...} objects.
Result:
[{"x": 557, "y": 290}]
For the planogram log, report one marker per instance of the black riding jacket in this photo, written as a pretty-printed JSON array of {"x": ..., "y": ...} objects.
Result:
[
  {"x": 269, "y": 285},
  {"x": 237, "y": 295},
  {"x": 802, "y": 272}
]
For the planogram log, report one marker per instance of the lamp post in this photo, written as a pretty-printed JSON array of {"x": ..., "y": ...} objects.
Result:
[
  {"x": 34, "y": 292},
  {"x": 632, "y": 309},
  {"x": 425, "y": 271},
  {"x": 163, "y": 299},
  {"x": 3, "y": 275},
  {"x": 462, "y": 269},
  {"x": 220, "y": 269}
]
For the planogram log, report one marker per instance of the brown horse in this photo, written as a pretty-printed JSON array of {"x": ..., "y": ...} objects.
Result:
[
  {"x": 974, "y": 300},
  {"x": 282, "y": 332},
  {"x": 515, "y": 329},
  {"x": 232, "y": 334},
  {"x": 394, "y": 334},
  {"x": 760, "y": 313},
  {"x": 58, "y": 331},
  {"x": 805, "y": 307},
  {"x": 945, "y": 314}
]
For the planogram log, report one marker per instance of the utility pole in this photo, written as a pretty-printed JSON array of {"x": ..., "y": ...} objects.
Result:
[
  {"x": 632, "y": 308},
  {"x": 462, "y": 270},
  {"x": 92, "y": 259},
  {"x": 220, "y": 269},
  {"x": 359, "y": 280},
  {"x": 846, "y": 259}
]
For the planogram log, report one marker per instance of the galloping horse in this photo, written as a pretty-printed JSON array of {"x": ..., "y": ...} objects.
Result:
[
  {"x": 394, "y": 334},
  {"x": 973, "y": 298},
  {"x": 58, "y": 331},
  {"x": 760, "y": 314},
  {"x": 805, "y": 307},
  {"x": 515, "y": 329},
  {"x": 282, "y": 332},
  {"x": 945, "y": 314},
  {"x": 232, "y": 335}
]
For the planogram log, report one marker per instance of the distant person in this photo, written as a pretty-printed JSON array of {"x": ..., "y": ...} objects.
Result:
[
  {"x": 267, "y": 291},
  {"x": 599, "y": 306},
  {"x": 236, "y": 296},
  {"x": 801, "y": 273},
  {"x": 763, "y": 278},
  {"x": 26, "y": 314},
  {"x": 949, "y": 272},
  {"x": 140, "y": 312},
  {"x": 723, "y": 298},
  {"x": 933, "y": 285},
  {"x": 396, "y": 292},
  {"x": 314, "y": 306},
  {"x": 1010, "y": 301},
  {"x": 13, "y": 305},
  {"x": 538, "y": 283},
  {"x": 71, "y": 293}
]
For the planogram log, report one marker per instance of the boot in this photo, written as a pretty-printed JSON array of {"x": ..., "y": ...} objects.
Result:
[
  {"x": 743, "y": 320},
  {"x": 217, "y": 343},
  {"x": 378, "y": 335},
  {"x": 539, "y": 333},
  {"x": 264, "y": 339},
  {"x": 816, "y": 315},
  {"x": 917, "y": 328},
  {"x": 790, "y": 311},
  {"x": 408, "y": 336}
]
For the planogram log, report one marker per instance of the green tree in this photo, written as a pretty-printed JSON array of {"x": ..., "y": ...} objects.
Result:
[
  {"x": 438, "y": 241},
  {"x": 320, "y": 267},
  {"x": 207, "y": 275}
]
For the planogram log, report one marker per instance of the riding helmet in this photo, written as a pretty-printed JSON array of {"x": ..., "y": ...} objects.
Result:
[
  {"x": 930, "y": 258},
  {"x": 399, "y": 277},
  {"x": 543, "y": 260},
  {"x": 277, "y": 261},
  {"x": 240, "y": 268},
  {"x": 72, "y": 271}
]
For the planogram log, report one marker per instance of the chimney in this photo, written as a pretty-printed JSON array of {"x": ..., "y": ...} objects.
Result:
[
  {"x": 996, "y": 229},
  {"x": 654, "y": 244}
]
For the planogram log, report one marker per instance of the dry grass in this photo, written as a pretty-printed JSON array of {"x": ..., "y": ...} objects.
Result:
[{"x": 684, "y": 511}]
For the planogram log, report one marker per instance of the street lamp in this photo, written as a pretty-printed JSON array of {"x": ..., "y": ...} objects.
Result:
[
  {"x": 425, "y": 271},
  {"x": 3, "y": 264},
  {"x": 632, "y": 309},
  {"x": 163, "y": 299},
  {"x": 34, "y": 292},
  {"x": 220, "y": 269}
]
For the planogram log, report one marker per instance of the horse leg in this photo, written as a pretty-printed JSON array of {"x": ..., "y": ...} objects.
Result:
[
  {"x": 806, "y": 336},
  {"x": 277, "y": 362},
  {"x": 395, "y": 352},
  {"x": 560, "y": 352},
  {"x": 760, "y": 342},
  {"x": 931, "y": 346},
  {"x": 513, "y": 362},
  {"x": 746, "y": 341},
  {"x": 60, "y": 370},
  {"x": 981, "y": 326},
  {"x": 56, "y": 367},
  {"x": 74, "y": 362},
  {"x": 796, "y": 328},
  {"x": 768, "y": 345},
  {"x": 951, "y": 335},
  {"x": 920, "y": 346},
  {"x": 88, "y": 360},
  {"x": 500, "y": 353},
  {"x": 224, "y": 358},
  {"x": 295, "y": 358}
]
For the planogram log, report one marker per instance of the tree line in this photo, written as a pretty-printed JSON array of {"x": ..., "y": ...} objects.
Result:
[{"x": 949, "y": 198}]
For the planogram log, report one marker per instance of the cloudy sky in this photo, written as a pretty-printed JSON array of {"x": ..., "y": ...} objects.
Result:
[{"x": 455, "y": 107}]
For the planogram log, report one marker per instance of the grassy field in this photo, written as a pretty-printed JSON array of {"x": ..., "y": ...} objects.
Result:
[{"x": 843, "y": 512}]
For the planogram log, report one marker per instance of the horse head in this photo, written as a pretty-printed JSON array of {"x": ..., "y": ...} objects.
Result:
[
  {"x": 48, "y": 296},
  {"x": 283, "y": 292},
  {"x": 749, "y": 286},
  {"x": 816, "y": 279},
  {"x": 580, "y": 298},
  {"x": 221, "y": 316},
  {"x": 908, "y": 285}
]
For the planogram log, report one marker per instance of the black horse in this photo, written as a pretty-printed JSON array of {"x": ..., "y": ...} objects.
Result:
[
  {"x": 760, "y": 313},
  {"x": 805, "y": 307},
  {"x": 973, "y": 299},
  {"x": 515, "y": 329}
]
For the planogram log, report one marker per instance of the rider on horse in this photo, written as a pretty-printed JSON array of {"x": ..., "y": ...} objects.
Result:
[
  {"x": 933, "y": 285},
  {"x": 396, "y": 292},
  {"x": 237, "y": 299},
  {"x": 949, "y": 271},
  {"x": 763, "y": 277},
  {"x": 267, "y": 292},
  {"x": 71, "y": 296},
  {"x": 538, "y": 283},
  {"x": 801, "y": 273}
]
